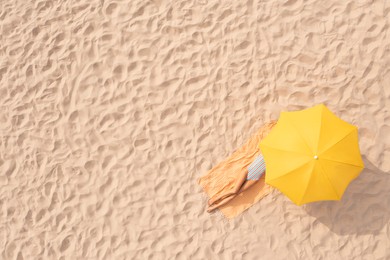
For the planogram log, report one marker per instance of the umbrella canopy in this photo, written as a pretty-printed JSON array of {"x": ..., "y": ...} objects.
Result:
[{"x": 311, "y": 155}]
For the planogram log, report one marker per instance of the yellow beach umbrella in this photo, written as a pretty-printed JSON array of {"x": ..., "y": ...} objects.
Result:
[{"x": 311, "y": 155}]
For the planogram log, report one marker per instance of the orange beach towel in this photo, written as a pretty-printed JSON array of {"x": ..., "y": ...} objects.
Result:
[{"x": 221, "y": 178}]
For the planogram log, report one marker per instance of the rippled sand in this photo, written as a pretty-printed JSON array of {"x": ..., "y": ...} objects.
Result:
[{"x": 111, "y": 110}]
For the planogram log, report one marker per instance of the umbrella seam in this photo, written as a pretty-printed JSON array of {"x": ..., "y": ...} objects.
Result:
[
  {"x": 319, "y": 132},
  {"x": 359, "y": 166},
  {"x": 296, "y": 129},
  {"x": 340, "y": 140},
  {"x": 307, "y": 186},
  {"x": 279, "y": 149},
  {"x": 327, "y": 177},
  {"x": 300, "y": 166}
]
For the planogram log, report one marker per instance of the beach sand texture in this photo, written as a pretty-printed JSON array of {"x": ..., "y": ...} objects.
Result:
[{"x": 111, "y": 110}]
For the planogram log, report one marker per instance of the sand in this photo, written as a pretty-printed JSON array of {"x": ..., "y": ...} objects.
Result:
[{"x": 111, "y": 110}]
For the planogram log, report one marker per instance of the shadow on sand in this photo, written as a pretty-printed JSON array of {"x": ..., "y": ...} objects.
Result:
[{"x": 364, "y": 208}]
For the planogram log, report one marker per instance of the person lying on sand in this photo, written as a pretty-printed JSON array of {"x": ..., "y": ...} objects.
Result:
[
  {"x": 245, "y": 179},
  {"x": 230, "y": 183}
]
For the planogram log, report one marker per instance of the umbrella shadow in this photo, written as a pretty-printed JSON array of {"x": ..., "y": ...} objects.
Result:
[{"x": 364, "y": 208}]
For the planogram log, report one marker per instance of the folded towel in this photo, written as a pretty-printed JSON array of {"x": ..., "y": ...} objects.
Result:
[{"x": 221, "y": 178}]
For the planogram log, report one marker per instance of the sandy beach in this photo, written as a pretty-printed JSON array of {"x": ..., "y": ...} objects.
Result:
[{"x": 111, "y": 110}]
